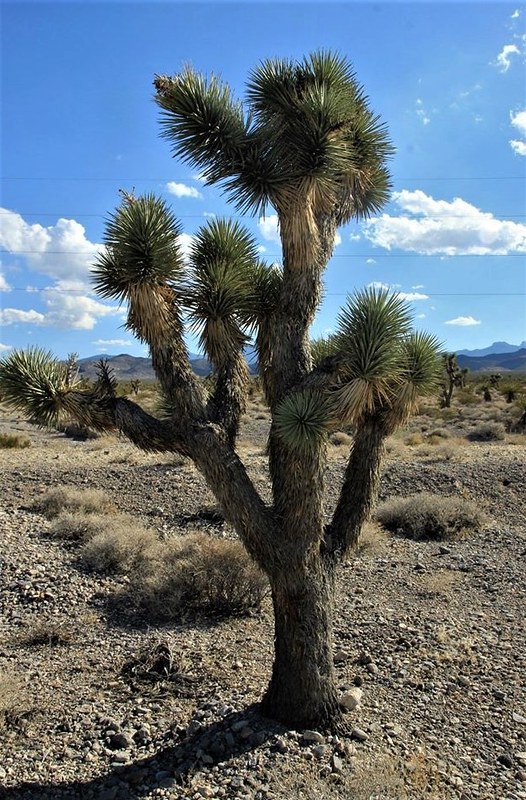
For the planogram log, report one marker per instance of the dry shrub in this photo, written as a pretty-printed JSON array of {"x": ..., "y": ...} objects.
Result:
[
  {"x": 201, "y": 573},
  {"x": 340, "y": 439},
  {"x": 439, "y": 433},
  {"x": 429, "y": 516},
  {"x": 414, "y": 439},
  {"x": 124, "y": 547},
  {"x": 68, "y": 498},
  {"x": 77, "y": 526},
  {"x": 488, "y": 432},
  {"x": 14, "y": 699},
  {"x": 11, "y": 441},
  {"x": 51, "y": 634},
  {"x": 372, "y": 541}
]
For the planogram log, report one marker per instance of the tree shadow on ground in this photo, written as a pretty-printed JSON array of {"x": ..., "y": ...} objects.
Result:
[{"x": 184, "y": 761}]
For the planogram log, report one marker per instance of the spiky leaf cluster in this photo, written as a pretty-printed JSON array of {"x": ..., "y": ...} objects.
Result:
[
  {"x": 218, "y": 293},
  {"x": 34, "y": 382},
  {"x": 384, "y": 365},
  {"x": 308, "y": 133},
  {"x": 321, "y": 348},
  {"x": 301, "y": 419},
  {"x": 142, "y": 249}
]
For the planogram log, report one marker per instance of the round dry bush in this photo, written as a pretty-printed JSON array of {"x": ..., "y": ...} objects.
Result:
[
  {"x": 69, "y": 498},
  {"x": 429, "y": 516},
  {"x": 340, "y": 439},
  {"x": 488, "y": 432},
  {"x": 125, "y": 547},
  {"x": 200, "y": 573},
  {"x": 77, "y": 526}
]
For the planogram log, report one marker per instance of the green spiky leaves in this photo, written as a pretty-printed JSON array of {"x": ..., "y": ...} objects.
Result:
[
  {"x": 308, "y": 131},
  {"x": 218, "y": 294},
  {"x": 142, "y": 248},
  {"x": 386, "y": 366},
  {"x": 34, "y": 383},
  {"x": 301, "y": 420}
]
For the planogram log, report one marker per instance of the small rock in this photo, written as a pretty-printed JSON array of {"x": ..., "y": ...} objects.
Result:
[
  {"x": 340, "y": 656},
  {"x": 518, "y": 718},
  {"x": 521, "y": 758},
  {"x": 312, "y": 736},
  {"x": 372, "y": 668},
  {"x": 359, "y": 735},
  {"x": 351, "y": 699},
  {"x": 120, "y": 741},
  {"x": 336, "y": 764},
  {"x": 320, "y": 750},
  {"x": 506, "y": 760}
]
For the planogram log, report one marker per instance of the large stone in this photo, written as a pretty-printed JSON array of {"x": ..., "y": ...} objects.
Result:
[{"x": 351, "y": 699}]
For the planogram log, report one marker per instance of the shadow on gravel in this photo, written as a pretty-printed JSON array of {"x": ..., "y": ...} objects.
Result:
[{"x": 175, "y": 766}]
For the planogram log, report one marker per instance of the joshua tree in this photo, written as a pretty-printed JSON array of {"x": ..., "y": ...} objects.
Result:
[
  {"x": 453, "y": 376},
  {"x": 310, "y": 147}
]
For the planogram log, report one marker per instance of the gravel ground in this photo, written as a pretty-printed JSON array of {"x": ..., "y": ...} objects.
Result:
[{"x": 431, "y": 634}]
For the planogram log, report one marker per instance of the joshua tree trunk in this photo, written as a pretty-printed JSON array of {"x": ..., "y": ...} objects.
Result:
[{"x": 302, "y": 689}]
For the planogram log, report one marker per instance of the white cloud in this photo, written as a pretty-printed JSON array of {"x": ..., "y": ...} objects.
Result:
[
  {"x": 463, "y": 322},
  {"x": 378, "y": 285},
  {"x": 5, "y": 347},
  {"x": 73, "y": 311},
  {"x": 59, "y": 251},
  {"x": 182, "y": 190},
  {"x": 269, "y": 228},
  {"x": 518, "y": 120},
  {"x": 209, "y": 214},
  {"x": 412, "y": 296},
  {"x": 355, "y": 237},
  {"x": 441, "y": 227},
  {"x": 184, "y": 240},
  {"x": 422, "y": 113},
  {"x": 113, "y": 342},
  {"x": 4, "y": 286},
  {"x": 420, "y": 316},
  {"x": 370, "y": 261},
  {"x": 12, "y": 316},
  {"x": 418, "y": 286},
  {"x": 337, "y": 239},
  {"x": 503, "y": 61},
  {"x": 516, "y": 14}
]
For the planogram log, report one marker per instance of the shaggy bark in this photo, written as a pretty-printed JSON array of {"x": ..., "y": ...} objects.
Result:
[
  {"x": 359, "y": 489},
  {"x": 302, "y": 689}
]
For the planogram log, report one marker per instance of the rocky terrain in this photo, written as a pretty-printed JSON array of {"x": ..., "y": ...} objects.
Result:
[{"x": 431, "y": 634}]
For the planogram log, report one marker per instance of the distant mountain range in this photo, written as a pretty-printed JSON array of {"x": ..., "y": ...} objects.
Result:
[
  {"x": 500, "y": 356},
  {"x": 495, "y": 348}
]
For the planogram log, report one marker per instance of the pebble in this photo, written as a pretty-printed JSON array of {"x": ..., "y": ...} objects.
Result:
[{"x": 312, "y": 736}]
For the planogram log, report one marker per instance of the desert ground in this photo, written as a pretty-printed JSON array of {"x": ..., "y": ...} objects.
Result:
[{"x": 100, "y": 700}]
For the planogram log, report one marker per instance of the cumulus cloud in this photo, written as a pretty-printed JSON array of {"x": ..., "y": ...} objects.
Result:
[
  {"x": 518, "y": 120},
  {"x": 441, "y": 227},
  {"x": 516, "y": 14},
  {"x": 4, "y": 286},
  {"x": 503, "y": 61},
  {"x": 370, "y": 261},
  {"x": 184, "y": 240},
  {"x": 182, "y": 190},
  {"x": 412, "y": 296},
  {"x": 60, "y": 251},
  {"x": 113, "y": 342},
  {"x": 12, "y": 316},
  {"x": 269, "y": 228},
  {"x": 395, "y": 288},
  {"x": 463, "y": 322},
  {"x": 73, "y": 311},
  {"x": 5, "y": 347}
]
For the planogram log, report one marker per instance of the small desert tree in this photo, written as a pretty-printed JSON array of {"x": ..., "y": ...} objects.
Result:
[
  {"x": 310, "y": 147},
  {"x": 452, "y": 376}
]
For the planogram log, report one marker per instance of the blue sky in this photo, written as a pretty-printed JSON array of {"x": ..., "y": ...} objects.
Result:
[{"x": 79, "y": 122}]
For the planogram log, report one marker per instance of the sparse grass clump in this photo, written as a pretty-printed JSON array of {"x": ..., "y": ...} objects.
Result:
[
  {"x": 68, "y": 498},
  {"x": 11, "y": 441},
  {"x": 123, "y": 547},
  {"x": 50, "y": 634},
  {"x": 488, "y": 432},
  {"x": 429, "y": 516},
  {"x": 14, "y": 699},
  {"x": 341, "y": 439},
  {"x": 77, "y": 526},
  {"x": 200, "y": 573}
]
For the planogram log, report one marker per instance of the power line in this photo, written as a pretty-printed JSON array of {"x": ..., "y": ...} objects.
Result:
[
  {"x": 279, "y": 255},
  {"x": 239, "y": 216},
  {"x": 186, "y": 178},
  {"x": 325, "y": 294}
]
